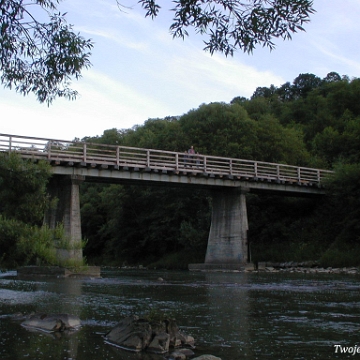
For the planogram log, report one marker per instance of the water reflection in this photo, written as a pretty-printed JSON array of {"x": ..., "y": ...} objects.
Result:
[
  {"x": 231, "y": 315},
  {"x": 228, "y": 305}
]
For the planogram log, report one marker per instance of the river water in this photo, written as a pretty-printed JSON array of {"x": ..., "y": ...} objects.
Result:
[{"x": 230, "y": 315}]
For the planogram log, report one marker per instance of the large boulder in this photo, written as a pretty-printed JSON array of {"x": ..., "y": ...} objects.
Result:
[
  {"x": 135, "y": 334},
  {"x": 206, "y": 357},
  {"x": 131, "y": 333},
  {"x": 52, "y": 322}
]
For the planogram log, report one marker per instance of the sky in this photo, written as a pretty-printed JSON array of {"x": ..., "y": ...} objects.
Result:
[{"x": 140, "y": 72}]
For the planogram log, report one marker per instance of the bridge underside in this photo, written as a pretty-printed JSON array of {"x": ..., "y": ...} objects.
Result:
[
  {"x": 153, "y": 177},
  {"x": 227, "y": 242}
]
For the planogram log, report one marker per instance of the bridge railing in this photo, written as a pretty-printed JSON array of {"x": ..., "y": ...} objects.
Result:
[{"x": 93, "y": 154}]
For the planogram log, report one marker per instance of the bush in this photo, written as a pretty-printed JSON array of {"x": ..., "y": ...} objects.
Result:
[
  {"x": 341, "y": 255},
  {"x": 10, "y": 232}
]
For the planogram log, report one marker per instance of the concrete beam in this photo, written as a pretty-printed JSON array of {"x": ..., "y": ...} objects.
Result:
[{"x": 126, "y": 176}]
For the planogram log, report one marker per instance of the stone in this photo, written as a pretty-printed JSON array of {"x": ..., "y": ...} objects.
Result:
[
  {"x": 158, "y": 327},
  {"x": 186, "y": 352},
  {"x": 131, "y": 333},
  {"x": 177, "y": 355},
  {"x": 52, "y": 322},
  {"x": 249, "y": 267},
  {"x": 135, "y": 334},
  {"x": 172, "y": 329},
  {"x": 160, "y": 344},
  {"x": 185, "y": 339},
  {"x": 206, "y": 357}
]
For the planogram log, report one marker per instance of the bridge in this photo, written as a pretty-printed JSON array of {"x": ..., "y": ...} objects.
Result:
[{"x": 229, "y": 179}]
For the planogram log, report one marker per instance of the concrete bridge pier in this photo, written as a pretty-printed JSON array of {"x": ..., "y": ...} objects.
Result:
[
  {"x": 227, "y": 243},
  {"x": 64, "y": 190}
]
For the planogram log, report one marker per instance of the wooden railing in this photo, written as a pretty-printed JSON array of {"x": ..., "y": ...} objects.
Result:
[{"x": 63, "y": 152}]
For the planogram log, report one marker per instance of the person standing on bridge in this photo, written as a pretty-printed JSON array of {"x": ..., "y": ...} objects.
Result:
[{"x": 191, "y": 152}]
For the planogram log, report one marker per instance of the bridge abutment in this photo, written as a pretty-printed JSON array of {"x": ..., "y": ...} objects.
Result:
[
  {"x": 66, "y": 210},
  {"x": 227, "y": 243}
]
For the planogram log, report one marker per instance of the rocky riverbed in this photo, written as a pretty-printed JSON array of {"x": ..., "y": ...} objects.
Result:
[{"x": 307, "y": 267}]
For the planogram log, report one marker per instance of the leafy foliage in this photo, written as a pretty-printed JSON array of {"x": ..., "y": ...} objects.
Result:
[
  {"x": 232, "y": 24},
  {"x": 36, "y": 56},
  {"x": 23, "y": 188},
  {"x": 43, "y": 56},
  {"x": 23, "y": 200}
]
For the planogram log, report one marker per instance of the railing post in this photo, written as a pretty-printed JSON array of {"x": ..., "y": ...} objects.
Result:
[
  {"x": 117, "y": 155},
  {"x": 204, "y": 163},
  {"x": 10, "y": 145},
  {"x": 255, "y": 169},
  {"x": 230, "y": 167},
  {"x": 176, "y": 161},
  {"x": 84, "y": 152},
  {"x": 148, "y": 158},
  {"x": 298, "y": 175},
  {"x": 278, "y": 172},
  {"x": 318, "y": 177}
]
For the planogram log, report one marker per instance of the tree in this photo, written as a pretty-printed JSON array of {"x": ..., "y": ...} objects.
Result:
[
  {"x": 264, "y": 92},
  {"x": 332, "y": 77},
  {"x": 234, "y": 24},
  {"x": 22, "y": 203},
  {"x": 304, "y": 83},
  {"x": 40, "y": 57},
  {"x": 23, "y": 188}
]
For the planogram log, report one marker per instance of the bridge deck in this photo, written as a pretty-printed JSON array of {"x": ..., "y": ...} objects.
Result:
[{"x": 77, "y": 154}]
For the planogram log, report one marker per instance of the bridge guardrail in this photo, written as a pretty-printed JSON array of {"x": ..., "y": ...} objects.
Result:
[{"x": 83, "y": 153}]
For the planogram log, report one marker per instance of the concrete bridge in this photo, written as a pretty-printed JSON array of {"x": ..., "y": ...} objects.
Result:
[{"x": 229, "y": 180}]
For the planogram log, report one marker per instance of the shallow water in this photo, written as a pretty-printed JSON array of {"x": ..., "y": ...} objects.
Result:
[{"x": 230, "y": 315}]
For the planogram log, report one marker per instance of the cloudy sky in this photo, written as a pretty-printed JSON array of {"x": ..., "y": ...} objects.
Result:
[{"x": 139, "y": 71}]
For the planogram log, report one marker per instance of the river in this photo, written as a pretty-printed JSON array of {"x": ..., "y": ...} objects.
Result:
[{"x": 233, "y": 316}]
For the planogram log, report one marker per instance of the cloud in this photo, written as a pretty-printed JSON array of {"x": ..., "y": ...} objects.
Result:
[{"x": 141, "y": 72}]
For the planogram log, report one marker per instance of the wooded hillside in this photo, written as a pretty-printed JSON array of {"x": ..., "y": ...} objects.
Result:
[{"x": 310, "y": 122}]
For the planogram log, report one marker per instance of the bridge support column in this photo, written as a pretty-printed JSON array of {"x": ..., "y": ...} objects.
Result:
[
  {"x": 66, "y": 210},
  {"x": 227, "y": 243}
]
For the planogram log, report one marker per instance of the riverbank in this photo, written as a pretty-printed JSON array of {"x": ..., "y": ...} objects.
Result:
[
  {"x": 273, "y": 267},
  {"x": 301, "y": 267}
]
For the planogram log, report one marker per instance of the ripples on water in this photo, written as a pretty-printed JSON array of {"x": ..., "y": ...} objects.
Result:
[{"x": 231, "y": 315}]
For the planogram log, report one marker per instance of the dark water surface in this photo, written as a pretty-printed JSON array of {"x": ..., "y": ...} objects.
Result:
[{"x": 230, "y": 315}]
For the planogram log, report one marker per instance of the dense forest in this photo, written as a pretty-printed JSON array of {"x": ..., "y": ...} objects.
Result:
[{"x": 310, "y": 122}]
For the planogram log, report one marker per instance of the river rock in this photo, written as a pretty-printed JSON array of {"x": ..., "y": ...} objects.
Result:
[
  {"x": 131, "y": 333},
  {"x": 52, "y": 322},
  {"x": 181, "y": 354},
  {"x": 206, "y": 357},
  {"x": 177, "y": 355},
  {"x": 160, "y": 344},
  {"x": 135, "y": 334}
]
